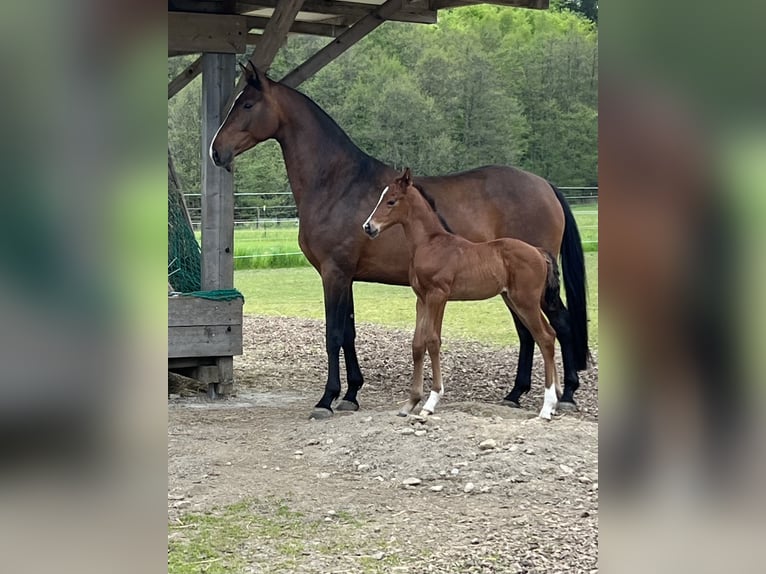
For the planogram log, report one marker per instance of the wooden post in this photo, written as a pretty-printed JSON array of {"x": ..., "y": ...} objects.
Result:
[
  {"x": 217, "y": 196},
  {"x": 217, "y": 183}
]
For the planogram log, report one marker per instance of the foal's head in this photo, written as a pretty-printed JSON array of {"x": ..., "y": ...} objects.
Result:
[
  {"x": 392, "y": 207},
  {"x": 253, "y": 118}
]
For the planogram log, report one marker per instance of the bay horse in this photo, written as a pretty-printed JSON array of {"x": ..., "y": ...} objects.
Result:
[
  {"x": 335, "y": 186},
  {"x": 446, "y": 267}
]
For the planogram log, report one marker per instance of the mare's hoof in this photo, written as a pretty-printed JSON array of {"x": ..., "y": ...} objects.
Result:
[
  {"x": 320, "y": 414},
  {"x": 568, "y": 406},
  {"x": 345, "y": 405},
  {"x": 510, "y": 403}
]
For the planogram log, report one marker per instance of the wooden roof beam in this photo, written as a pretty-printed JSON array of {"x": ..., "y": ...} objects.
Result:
[
  {"x": 194, "y": 32},
  {"x": 341, "y": 43},
  {"x": 416, "y": 11},
  {"x": 310, "y": 28},
  {"x": 533, "y": 4}
]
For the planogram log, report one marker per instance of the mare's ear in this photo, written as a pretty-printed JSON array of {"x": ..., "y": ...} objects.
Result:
[{"x": 254, "y": 76}]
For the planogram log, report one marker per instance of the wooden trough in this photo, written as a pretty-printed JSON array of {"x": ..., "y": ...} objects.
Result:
[{"x": 203, "y": 337}]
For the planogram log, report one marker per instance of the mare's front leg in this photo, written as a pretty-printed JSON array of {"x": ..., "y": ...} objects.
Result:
[
  {"x": 353, "y": 372},
  {"x": 418, "y": 356},
  {"x": 337, "y": 289},
  {"x": 433, "y": 344}
]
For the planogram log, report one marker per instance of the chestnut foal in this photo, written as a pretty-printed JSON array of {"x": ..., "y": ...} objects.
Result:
[{"x": 444, "y": 267}]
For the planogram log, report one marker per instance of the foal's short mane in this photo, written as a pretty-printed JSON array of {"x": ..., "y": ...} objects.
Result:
[{"x": 432, "y": 203}]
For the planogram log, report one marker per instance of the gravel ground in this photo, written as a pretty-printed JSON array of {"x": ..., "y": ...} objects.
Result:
[{"x": 478, "y": 488}]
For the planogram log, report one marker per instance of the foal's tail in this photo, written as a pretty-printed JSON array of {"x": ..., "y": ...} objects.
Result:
[
  {"x": 573, "y": 267},
  {"x": 552, "y": 286}
]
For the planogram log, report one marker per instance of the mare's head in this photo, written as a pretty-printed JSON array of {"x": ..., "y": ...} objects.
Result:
[
  {"x": 253, "y": 118},
  {"x": 392, "y": 207}
]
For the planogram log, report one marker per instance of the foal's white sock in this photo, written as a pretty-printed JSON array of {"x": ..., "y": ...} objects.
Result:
[{"x": 433, "y": 400}]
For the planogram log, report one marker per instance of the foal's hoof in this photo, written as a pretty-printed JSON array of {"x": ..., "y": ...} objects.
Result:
[
  {"x": 568, "y": 406},
  {"x": 402, "y": 414},
  {"x": 345, "y": 405},
  {"x": 320, "y": 414},
  {"x": 510, "y": 403}
]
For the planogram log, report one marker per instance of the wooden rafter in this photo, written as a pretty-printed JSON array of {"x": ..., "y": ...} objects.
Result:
[
  {"x": 341, "y": 43},
  {"x": 271, "y": 40},
  {"x": 275, "y": 32},
  {"x": 185, "y": 77}
]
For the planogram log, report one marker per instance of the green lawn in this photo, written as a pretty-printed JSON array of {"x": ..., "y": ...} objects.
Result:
[
  {"x": 297, "y": 292},
  {"x": 586, "y": 215}
]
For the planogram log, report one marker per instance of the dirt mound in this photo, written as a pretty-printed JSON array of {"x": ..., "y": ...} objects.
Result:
[{"x": 254, "y": 486}]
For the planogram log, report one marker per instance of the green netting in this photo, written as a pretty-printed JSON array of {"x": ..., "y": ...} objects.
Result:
[
  {"x": 183, "y": 250},
  {"x": 217, "y": 295}
]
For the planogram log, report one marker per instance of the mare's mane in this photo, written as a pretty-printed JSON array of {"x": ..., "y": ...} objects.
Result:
[{"x": 432, "y": 204}]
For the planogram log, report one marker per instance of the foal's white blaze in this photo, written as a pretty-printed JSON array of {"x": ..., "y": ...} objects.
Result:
[
  {"x": 549, "y": 403},
  {"x": 210, "y": 149},
  {"x": 382, "y": 195}
]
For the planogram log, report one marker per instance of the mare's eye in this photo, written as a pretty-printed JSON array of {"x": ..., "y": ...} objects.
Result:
[
  {"x": 391, "y": 202},
  {"x": 247, "y": 105}
]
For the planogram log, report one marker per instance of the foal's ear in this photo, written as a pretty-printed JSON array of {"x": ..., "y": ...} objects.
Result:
[{"x": 407, "y": 177}]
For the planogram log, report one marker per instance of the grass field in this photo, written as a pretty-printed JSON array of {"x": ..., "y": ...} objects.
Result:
[
  {"x": 277, "y": 247},
  {"x": 297, "y": 292}
]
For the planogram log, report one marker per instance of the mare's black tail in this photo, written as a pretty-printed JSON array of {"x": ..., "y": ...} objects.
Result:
[{"x": 575, "y": 286}]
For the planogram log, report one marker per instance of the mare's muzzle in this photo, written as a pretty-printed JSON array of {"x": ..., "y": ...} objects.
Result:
[{"x": 221, "y": 159}]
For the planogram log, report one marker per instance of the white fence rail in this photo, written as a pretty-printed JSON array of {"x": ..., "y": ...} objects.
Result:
[{"x": 287, "y": 215}]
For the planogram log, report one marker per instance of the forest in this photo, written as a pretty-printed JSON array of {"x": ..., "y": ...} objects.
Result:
[{"x": 485, "y": 85}]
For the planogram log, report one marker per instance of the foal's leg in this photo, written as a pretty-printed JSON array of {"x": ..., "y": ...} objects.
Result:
[
  {"x": 418, "y": 356},
  {"x": 353, "y": 372},
  {"x": 433, "y": 344},
  {"x": 336, "y": 286},
  {"x": 532, "y": 316}
]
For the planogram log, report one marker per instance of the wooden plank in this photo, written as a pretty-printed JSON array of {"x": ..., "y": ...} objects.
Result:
[
  {"x": 193, "y": 32},
  {"x": 412, "y": 11},
  {"x": 341, "y": 43},
  {"x": 310, "y": 28},
  {"x": 217, "y": 184},
  {"x": 205, "y": 341},
  {"x": 185, "y": 77},
  {"x": 190, "y": 311},
  {"x": 532, "y": 4},
  {"x": 178, "y": 363}
]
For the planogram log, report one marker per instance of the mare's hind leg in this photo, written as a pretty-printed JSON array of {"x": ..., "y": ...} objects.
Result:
[
  {"x": 559, "y": 318},
  {"x": 353, "y": 372},
  {"x": 418, "y": 357},
  {"x": 433, "y": 344},
  {"x": 523, "y": 382}
]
